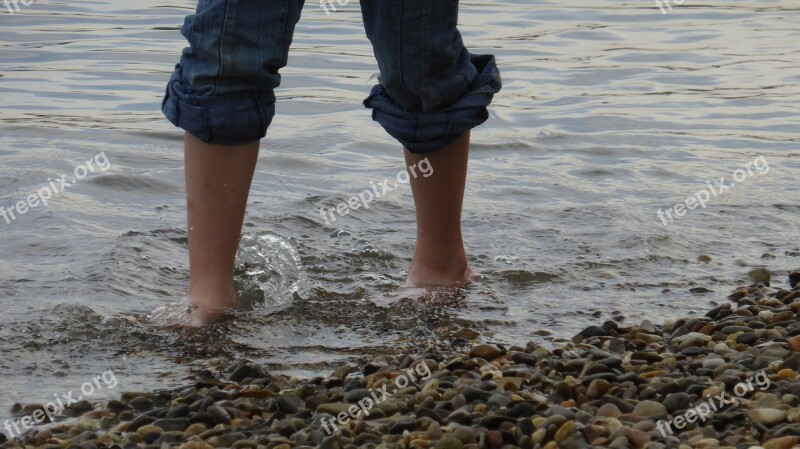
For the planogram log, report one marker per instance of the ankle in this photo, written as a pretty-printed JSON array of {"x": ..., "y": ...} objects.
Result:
[
  {"x": 210, "y": 294},
  {"x": 454, "y": 271}
]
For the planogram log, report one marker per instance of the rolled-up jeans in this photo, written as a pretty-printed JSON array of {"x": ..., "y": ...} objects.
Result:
[{"x": 431, "y": 89}]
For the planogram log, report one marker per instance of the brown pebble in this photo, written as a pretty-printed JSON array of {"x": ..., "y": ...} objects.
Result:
[
  {"x": 195, "y": 429},
  {"x": 434, "y": 431},
  {"x": 486, "y": 352},
  {"x": 767, "y": 416},
  {"x": 419, "y": 444},
  {"x": 495, "y": 439},
  {"x": 650, "y": 409},
  {"x": 467, "y": 334},
  {"x": 708, "y": 329},
  {"x": 464, "y": 434},
  {"x": 732, "y": 440},
  {"x": 597, "y": 388},
  {"x": 538, "y": 436},
  {"x": 737, "y": 295},
  {"x": 592, "y": 432},
  {"x": 794, "y": 342},
  {"x": 609, "y": 411},
  {"x": 196, "y": 445},
  {"x": 509, "y": 383},
  {"x": 565, "y": 431},
  {"x": 637, "y": 437},
  {"x": 780, "y": 443},
  {"x": 144, "y": 430}
]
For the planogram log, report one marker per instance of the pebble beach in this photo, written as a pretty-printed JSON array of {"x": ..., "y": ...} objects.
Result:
[{"x": 614, "y": 385}]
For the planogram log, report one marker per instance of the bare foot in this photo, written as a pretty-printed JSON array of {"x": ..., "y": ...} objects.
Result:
[
  {"x": 428, "y": 284},
  {"x": 419, "y": 276},
  {"x": 185, "y": 314},
  {"x": 210, "y": 302},
  {"x": 195, "y": 311},
  {"x": 399, "y": 296}
]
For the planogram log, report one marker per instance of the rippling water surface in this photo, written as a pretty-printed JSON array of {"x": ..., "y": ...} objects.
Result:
[{"x": 610, "y": 111}]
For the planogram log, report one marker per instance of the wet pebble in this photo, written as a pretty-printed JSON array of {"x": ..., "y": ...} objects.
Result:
[{"x": 610, "y": 386}]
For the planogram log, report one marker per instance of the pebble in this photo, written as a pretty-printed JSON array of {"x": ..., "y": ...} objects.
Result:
[
  {"x": 607, "y": 387},
  {"x": 449, "y": 443},
  {"x": 172, "y": 424},
  {"x": 465, "y": 435},
  {"x": 219, "y": 414},
  {"x": 486, "y": 352},
  {"x": 793, "y": 362},
  {"x": 781, "y": 443},
  {"x": 290, "y": 403},
  {"x": 334, "y": 408},
  {"x": 145, "y": 430},
  {"x": 434, "y": 431},
  {"x": 676, "y": 401},
  {"x": 195, "y": 429},
  {"x": 761, "y": 275},
  {"x": 608, "y": 411},
  {"x": 597, "y": 388},
  {"x": 196, "y": 445},
  {"x": 713, "y": 362},
  {"x": 650, "y": 409},
  {"x": 494, "y": 439},
  {"x": 767, "y": 416},
  {"x": 794, "y": 343}
]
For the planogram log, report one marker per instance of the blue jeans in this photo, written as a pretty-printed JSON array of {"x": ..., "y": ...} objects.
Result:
[{"x": 431, "y": 89}]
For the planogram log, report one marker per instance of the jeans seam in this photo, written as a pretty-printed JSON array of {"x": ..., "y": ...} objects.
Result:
[
  {"x": 220, "y": 48},
  {"x": 399, "y": 44},
  {"x": 261, "y": 111},
  {"x": 429, "y": 54},
  {"x": 284, "y": 48}
]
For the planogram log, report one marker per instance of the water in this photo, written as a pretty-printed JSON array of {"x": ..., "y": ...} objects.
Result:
[{"x": 610, "y": 111}]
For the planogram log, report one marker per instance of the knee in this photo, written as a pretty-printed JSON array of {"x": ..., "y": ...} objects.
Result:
[
  {"x": 225, "y": 119},
  {"x": 423, "y": 62},
  {"x": 463, "y": 106},
  {"x": 427, "y": 82}
]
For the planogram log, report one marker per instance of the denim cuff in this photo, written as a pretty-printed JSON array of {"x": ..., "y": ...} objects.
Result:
[
  {"x": 229, "y": 119},
  {"x": 425, "y": 132}
]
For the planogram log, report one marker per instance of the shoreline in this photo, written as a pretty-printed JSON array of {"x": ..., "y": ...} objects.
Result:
[{"x": 726, "y": 379}]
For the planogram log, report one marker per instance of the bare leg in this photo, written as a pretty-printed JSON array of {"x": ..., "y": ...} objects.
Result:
[
  {"x": 439, "y": 258},
  {"x": 218, "y": 181}
]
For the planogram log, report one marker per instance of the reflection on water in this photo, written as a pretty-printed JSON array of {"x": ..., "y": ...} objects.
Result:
[{"x": 610, "y": 111}]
